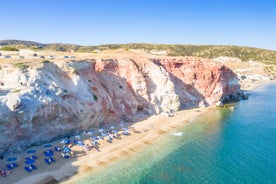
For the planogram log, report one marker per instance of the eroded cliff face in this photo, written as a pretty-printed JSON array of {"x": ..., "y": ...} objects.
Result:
[{"x": 54, "y": 99}]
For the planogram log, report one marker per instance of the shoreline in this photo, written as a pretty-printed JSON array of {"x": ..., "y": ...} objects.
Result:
[
  {"x": 66, "y": 170},
  {"x": 257, "y": 84}
]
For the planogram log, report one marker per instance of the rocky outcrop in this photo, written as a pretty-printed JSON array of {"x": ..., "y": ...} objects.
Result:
[
  {"x": 50, "y": 100},
  {"x": 199, "y": 81}
]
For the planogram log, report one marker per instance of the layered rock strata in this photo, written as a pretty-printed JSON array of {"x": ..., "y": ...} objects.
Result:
[{"x": 48, "y": 100}]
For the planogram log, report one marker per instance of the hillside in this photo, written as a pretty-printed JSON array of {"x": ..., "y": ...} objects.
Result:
[{"x": 204, "y": 51}]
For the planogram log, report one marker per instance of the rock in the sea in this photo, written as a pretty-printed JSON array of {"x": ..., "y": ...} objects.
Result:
[
  {"x": 54, "y": 99},
  {"x": 219, "y": 104}
]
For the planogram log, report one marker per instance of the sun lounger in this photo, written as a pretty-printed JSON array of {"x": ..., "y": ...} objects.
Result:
[
  {"x": 33, "y": 166},
  {"x": 47, "y": 161},
  {"x": 28, "y": 169}
]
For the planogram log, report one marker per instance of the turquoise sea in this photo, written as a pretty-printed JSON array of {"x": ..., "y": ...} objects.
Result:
[{"x": 222, "y": 146}]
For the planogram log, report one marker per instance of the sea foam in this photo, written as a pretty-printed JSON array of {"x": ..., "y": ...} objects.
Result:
[{"x": 177, "y": 134}]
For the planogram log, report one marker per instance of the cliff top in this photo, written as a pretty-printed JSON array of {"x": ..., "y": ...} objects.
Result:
[{"x": 204, "y": 51}]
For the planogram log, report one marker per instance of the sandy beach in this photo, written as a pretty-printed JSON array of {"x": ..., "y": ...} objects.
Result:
[{"x": 143, "y": 133}]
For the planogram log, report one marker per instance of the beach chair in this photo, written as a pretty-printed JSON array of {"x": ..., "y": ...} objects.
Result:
[
  {"x": 33, "y": 166},
  {"x": 52, "y": 159},
  {"x": 28, "y": 169},
  {"x": 47, "y": 161}
]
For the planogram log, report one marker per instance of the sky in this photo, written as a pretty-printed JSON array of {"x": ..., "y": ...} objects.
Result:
[{"x": 93, "y": 22}]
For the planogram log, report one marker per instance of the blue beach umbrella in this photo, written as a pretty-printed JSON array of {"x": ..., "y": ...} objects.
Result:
[
  {"x": 49, "y": 154},
  {"x": 47, "y": 146},
  {"x": 29, "y": 161},
  {"x": 115, "y": 131},
  {"x": 66, "y": 149},
  {"x": 80, "y": 143},
  {"x": 95, "y": 138},
  {"x": 104, "y": 134},
  {"x": 31, "y": 151},
  {"x": 65, "y": 141},
  {"x": 125, "y": 128},
  {"x": 112, "y": 127},
  {"x": 101, "y": 130},
  {"x": 90, "y": 133},
  {"x": 77, "y": 137},
  {"x": 11, "y": 159}
]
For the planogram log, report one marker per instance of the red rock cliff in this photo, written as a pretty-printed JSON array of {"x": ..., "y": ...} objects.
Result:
[{"x": 63, "y": 98}]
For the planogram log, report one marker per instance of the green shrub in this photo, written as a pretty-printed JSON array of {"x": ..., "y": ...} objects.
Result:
[
  {"x": 16, "y": 91},
  {"x": 45, "y": 61},
  {"x": 95, "y": 97},
  {"x": 75, "y": 71},
  {"x": 21, "y": 65},
  {"x": 9, "y": 49}
]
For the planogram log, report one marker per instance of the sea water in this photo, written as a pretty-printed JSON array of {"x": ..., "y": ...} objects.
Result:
[{"x": 223, "y": 146}]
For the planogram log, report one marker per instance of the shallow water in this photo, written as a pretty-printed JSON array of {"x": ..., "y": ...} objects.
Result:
[{"x": 222, "y": 146}]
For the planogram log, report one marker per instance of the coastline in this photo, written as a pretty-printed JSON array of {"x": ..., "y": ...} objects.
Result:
[
  {"x": 64, "y": 171},
  {"x": 257, "y": 84}
]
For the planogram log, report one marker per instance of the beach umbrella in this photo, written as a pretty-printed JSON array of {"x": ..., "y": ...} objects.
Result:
[
  {"x": 29, "y": 161},
  {"x": 77, "y": 137},
  {"x": 66, "y": 149},
  {"x": 104, "y": 134},
  {"x": 47, "y": 146},
  {"x": 112, "y": 127},
  {"x": 31, "y": 151},
  {"x": 101, "y": 130},
  {"x": 11, "y": 159},
  {"x": 125, "y": 128},
  {"x": 95, "y": 138},
  {"x": 115, "y": 131},
  {"x": 65, "y": 141},
  {"x": 48, "y": 153},
  {"x": 90, "y": 133},
  {"x": 80, "y": 143}
]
